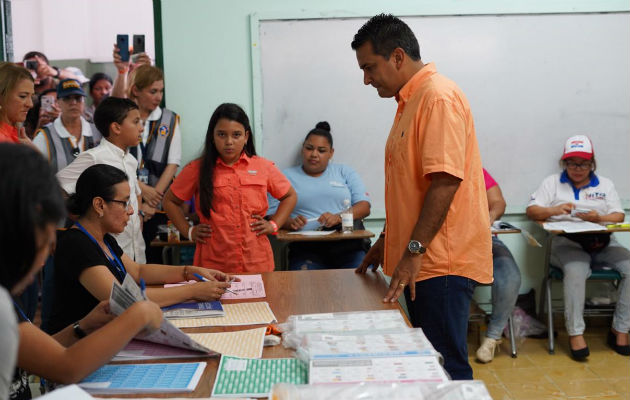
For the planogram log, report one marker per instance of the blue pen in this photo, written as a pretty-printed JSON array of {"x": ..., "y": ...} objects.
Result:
[
  {"x": 143, "y": 288},
  {"x": 202, "y": 279}
]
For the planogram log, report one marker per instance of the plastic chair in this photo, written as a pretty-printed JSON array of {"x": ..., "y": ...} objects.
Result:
[{"x": 546, "y": 304}]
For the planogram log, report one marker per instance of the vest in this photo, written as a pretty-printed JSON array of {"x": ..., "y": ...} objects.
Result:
[
  {"x": 60, "y": 149},
  {"x": 155, "y": 155}
]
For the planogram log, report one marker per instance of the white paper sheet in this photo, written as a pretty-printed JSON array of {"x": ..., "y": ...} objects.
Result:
[{"x": 573, "y": 227}]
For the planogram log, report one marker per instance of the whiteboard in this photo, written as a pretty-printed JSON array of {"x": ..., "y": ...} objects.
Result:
[{"x": 531, "y": 80}]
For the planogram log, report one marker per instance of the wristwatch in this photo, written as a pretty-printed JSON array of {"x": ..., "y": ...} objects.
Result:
[
  {"x": 80, "y": 333},
  {"x": 416, "y": 247}
]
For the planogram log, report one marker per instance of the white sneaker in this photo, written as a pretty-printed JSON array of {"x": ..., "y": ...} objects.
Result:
[{"x": 485, "y": 352}]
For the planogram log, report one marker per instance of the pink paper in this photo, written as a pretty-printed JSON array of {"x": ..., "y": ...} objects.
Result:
[{"x": 250, "y": 287}]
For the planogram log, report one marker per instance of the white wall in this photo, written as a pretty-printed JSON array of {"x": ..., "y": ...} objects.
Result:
[{"x": 78, "y": 29}]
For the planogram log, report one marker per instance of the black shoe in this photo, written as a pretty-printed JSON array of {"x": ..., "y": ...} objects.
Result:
[
  {"x": 579, "y": 354},
  {"x": 612, "y": 342}
]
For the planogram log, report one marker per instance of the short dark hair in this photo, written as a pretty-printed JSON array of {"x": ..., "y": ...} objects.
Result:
[
  {"x": 110, "y": 110},
  {"x": 321, "y": 129},
  {"x": 96, "y": 181},
  {"x": 386, "y": 33},
  {"x": 209, "y": 156},
  {"x": 33, "y": 54},
  {"x": 99, "y": 76},
  {"x": 31, "y": 199}
]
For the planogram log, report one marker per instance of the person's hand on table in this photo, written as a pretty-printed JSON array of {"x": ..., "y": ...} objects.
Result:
[
  {"x": 374, "y": 257},
  {"x": 209, "y": 290},
  {"x": 222, "y": 276},
  {"x": 151, "y": 195},
  {"x": 200, "y": 232},
  {"x": 327, "y": 219},
  {"x": 591, "y": 216},
  {"x": 297, "y": 223},
  {"x": 99, "y": 316},
  {"x": 261, "y": 226},
  {"x": 404, "y": 274},
  {"x": 563, "y": 209}
]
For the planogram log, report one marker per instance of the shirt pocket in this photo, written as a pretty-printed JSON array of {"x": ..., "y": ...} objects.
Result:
[
  {"x": 223, "y": 196},
  {"x": 254, "y": 193}
]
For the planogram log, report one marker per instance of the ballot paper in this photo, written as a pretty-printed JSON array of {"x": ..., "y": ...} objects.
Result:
[
  {"x": 123, "y": 296},
  {"x": 249, "y": 287},
  {"x": 573, "y": 226},
  {"x": 254, "y": 313}
]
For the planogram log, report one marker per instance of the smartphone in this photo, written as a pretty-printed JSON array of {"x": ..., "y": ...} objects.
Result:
[
  {"x": 47, "y": 103},
  {"x": 122, "y": 42},
  {"x": 138, "y": 44},
  {"x": 32, "y": 65},
  {"x": 579, "y": 211}
]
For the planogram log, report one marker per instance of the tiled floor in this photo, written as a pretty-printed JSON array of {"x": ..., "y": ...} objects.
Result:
[{"x": 536, "y": 374}]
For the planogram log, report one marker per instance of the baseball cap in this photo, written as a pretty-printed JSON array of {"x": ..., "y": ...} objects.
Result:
[
  {"x": 578, "y": 146},
  {"x": 69, "y": 87}
]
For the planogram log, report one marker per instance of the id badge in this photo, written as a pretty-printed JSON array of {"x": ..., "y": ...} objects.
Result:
[{"x": 143, "y": 175}]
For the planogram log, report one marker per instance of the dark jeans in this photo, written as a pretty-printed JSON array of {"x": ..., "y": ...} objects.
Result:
[
  {"x": 325, "y": 255},
  {"x": 441, "y": 309}
]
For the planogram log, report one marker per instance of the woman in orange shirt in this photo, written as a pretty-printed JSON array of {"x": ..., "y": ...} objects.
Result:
[
  {"x": 230, "y": 185},
  {"x": 16, "y": 98}
]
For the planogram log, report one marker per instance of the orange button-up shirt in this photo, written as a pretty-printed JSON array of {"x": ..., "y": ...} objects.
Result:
[
  {"x": 240, "y": 191},
  {"x": 433, "y": 131},
  {"x": 8, "y": 133}
]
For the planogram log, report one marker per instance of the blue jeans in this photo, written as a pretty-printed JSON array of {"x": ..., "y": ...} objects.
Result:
[
  {"x": 302, "y": 261},
  {"x": 507, "y": 282},
  {"x": 441, "y": 309}
]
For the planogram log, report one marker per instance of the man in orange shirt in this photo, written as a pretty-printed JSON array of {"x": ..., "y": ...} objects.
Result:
[{"x": 436, "y": 244}]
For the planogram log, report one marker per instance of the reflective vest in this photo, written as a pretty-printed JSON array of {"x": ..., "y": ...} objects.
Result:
[
  {"x": 60, "y": 150},
  {"x": 155, "y": 153}
]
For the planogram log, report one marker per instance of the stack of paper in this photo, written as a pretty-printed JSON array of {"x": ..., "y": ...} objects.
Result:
[
  {"x": 573, "y": 226},
  {"x": 254, "y": 378},
  {"x": 256, "y": 313},
  {"x": 144, "y": 378}
]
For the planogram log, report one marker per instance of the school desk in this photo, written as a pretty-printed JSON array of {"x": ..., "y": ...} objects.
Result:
[
  {"x": 285, "y": 236},
  {"x": 298, "y": 292}
]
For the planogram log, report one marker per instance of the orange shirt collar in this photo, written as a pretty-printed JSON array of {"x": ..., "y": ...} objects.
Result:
[
  {"x": 243, "y": 158},
  {"x": 9, "y": 132},
  {"x": 416, "y": 80}
]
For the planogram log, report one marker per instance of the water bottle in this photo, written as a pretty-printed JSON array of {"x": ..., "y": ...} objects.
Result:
[{"x": 347, "y": 221}]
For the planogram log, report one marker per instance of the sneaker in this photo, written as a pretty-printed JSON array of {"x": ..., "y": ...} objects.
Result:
[{"x": 485, "y": 352}]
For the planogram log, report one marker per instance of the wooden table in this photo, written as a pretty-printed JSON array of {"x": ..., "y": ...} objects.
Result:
[
  {"x": 285, "y": 236},
  {"x": 174, "y": 246},
  {"x": 296, "y": 292}
]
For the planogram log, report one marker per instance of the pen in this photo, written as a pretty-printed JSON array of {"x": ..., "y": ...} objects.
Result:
[
  {"x": 143, "y": 289},
  {"x": 202, "y": 279}
]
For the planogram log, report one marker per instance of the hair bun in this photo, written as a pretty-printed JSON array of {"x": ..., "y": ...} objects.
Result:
[{"x": 323, "y": 125}]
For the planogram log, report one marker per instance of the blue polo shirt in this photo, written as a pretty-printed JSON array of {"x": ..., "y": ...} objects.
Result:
[{"x": 324, "y": 193}]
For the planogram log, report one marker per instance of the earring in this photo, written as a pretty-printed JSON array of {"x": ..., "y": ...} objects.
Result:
[{"x": 100, "y": 215}]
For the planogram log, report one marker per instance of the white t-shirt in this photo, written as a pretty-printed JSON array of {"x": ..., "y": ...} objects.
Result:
[
  {"x": 599, "y": 195},
  {"x": 9, "y": 339},
  {"x": 130, "y": 240},
  {"x": 175, "y": 150}
]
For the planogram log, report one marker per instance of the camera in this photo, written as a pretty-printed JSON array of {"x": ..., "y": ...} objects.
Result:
[{"x": 32, "y": 64}]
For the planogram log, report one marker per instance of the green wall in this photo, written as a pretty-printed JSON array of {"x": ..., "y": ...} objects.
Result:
[{"x": 208, "y": 60}]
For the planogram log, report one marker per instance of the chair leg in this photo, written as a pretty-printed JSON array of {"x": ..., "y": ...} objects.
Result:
[
  {"x": 549, "y": 315},
  {"x": 512, "y": 338}
]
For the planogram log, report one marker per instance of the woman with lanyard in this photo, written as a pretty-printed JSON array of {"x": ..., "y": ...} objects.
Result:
[
  {"x": 16, "y": 98},
  {"x": 88, "y": 259},
  {"x": 578, "y": 194},
  {"x": 71, "y": 134},
  {"x": 159, "y": 151},
  {"x": 29, "y": 212}
]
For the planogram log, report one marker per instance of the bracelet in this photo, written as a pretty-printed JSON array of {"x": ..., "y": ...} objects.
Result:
[
  {"x": 275, "y": 227},
  {"x": 80, "y": 333},
  {"x": 190, "y": 232},
  {"x": 185, "y": 273}
]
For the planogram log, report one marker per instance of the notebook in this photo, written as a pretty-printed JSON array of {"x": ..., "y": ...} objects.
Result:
[{"x": 194, "y": 310}]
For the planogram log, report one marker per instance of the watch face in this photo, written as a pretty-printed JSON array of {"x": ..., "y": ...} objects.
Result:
[{"x": 415, "y": 247}]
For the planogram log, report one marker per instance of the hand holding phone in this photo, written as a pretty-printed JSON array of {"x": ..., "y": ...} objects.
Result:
[
  {"x": 122, "y": 42},
  {"x": 47, "y": 103},
  {"x": 579, "y": 211}
]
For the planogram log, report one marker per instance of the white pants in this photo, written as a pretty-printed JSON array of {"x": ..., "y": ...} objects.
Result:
[{"x": 576, "y": 265}]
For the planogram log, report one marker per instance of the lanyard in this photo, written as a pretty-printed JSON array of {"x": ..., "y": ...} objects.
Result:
[
  {"x": 120, "y": 268},
  {"x": 17, "y": 307}
]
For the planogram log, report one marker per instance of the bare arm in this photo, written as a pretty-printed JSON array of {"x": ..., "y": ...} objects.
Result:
[
  {"x": 287, "y": 203},
  {"x": 42, "y": 355},
  {"x": 166, "y": 178},
  {"x": 173, "y": 207},
  {"x": 434, "y": 210},
  {"x": 496, "y": 203}
]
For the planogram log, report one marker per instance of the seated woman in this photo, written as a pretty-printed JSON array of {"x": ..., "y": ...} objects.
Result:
[
  {"x": 230, "y": 183},
  {"x": 322, "y": 188},
  {"x": 88, "y": 259},
  {"x": 578, "y": 187},
  {"x": 29, "y": 212}
]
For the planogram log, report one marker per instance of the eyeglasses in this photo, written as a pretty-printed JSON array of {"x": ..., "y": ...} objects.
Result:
[
  {"x": 582, "y": 166},
  {"x": 126, "y": 204},
  {"x": 72, "y": 99}
]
